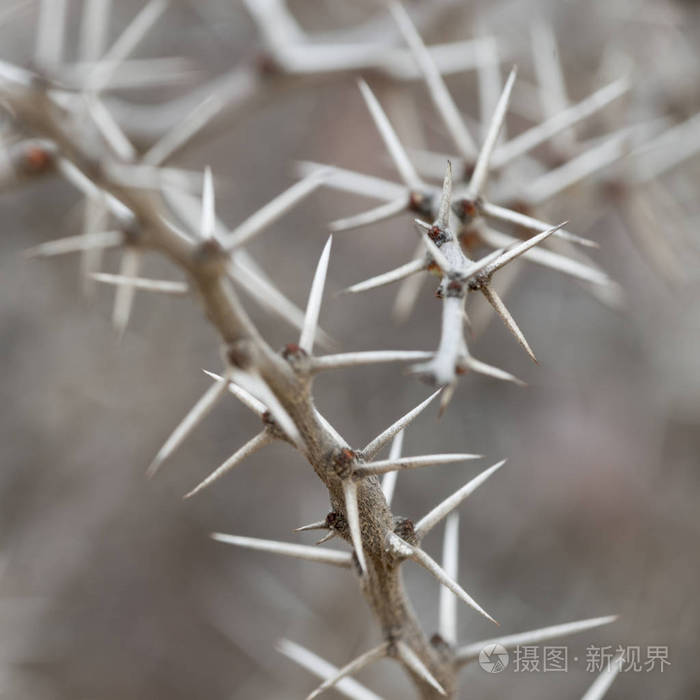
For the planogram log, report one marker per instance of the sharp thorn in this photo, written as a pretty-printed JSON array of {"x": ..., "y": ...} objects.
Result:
[
  {"x": 375, "y": 445},
  {"x": 429, "y": 521},
  {"x": 252, "y": 446},
  {"x": 297, "y": 551}
]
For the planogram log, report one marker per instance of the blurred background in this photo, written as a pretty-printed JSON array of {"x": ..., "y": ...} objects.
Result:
[{"x": 109, "y": 584}]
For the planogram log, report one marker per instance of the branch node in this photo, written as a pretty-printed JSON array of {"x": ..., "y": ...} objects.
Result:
[
  {"x": 240, "y": 354},
  {"x": 403, "y": 527},
  {"x": 340, "y": 462}
]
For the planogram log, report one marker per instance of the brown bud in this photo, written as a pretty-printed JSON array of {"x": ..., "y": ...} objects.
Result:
[
  {"x": 420, "y": 203},
  {"x": 403, "y": 527},
  {"x": 208, "y": 250},
  {"x": 238, "y": 354},
  {"x": 340, "y": 462},
  {"x": 440, "y": 645},
  {"x": 455, "y": 289},
  {"x": 267, "y": 64},
  {"x": 36, "y": 159},
  {"x": 466, "y": 209},
  {"x": 437, "y": 235},
  {"x": 292, "y": 351},
  {"x": 335, "y": 521}
]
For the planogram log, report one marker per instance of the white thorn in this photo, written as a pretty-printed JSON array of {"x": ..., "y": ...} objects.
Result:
[
  {"x": 245, "y": 397},
  {"x": 274, "y": 209},
  {"x": 193, "y": 418},
  {"x": 331, "y": 430},
  {"x": 443, "y": 217},
  {"x": 389, "y": 480},
  {"x": 540, "y": 133},
  {"x": 578, "y": 168},
  {"x": 373, "y": 216},
  {"x": 75, "y": 244},
  {"x": 669, "y": 149},
  {"x": 550, "y": 76},
  {"x": 349, "y": 687},
  {"x": 391, "y": 465},
  {"x": 450, "y": 563},
  {"x": 439, "y": 94},
  {"x": 125, "y": 44},
  {"x": 124, "y": 296},
  {"x": 375, "y": 445},
  {"x": 83, "y": 183},
  {"x": 243, "y": 269},
  {"x": 78, "y": 179},
  {"x": 548, "y": 258},
  {"x": 324, "y": 58},
  {"x": 396, "y": 445},
  {"x": 398, "y": 547},
  {"x": 340, "y": 52},
  {"x": 298, "y": 551},
  {"x": 479, "y": 265},
  {"x": 275, "y": 22},
  {"x": 353, "y": 359},
  {"x": 411, "y": 659},
  {"x": 378, "y": 652},
  {"x": 399, "y": 273},
  {"x": 517, "y": 250},
  {"x": 148, "y": 285},
  {"x": 15, "y": 74},
  {"x": 500, "y": 308},
  {"x": 429, "y": 521},
  {"x": 391, "y": 140},
  {"x": 481, "y": 169},
  {"x": 256, "y": 283},
  {"x": 429, "y": 564},
  {"x": 490, "y": 371},
  {"x": 601, "y": 684},
  {"x": 353, "y": 516},
  {"x": 530, "y": 223},
  {"x": 450, "y": 58},
  {"x": 94, "y": 220},
  {"x": 313, "y": 306},
  {"x": 357, "y": 183},
  {"x": 50, "y": 33},
  {"x": 252, "y": 446},
  {"x": 184, "y": 130},
  {"x": 471, "y": 651},
  {"x": 133, "y": 73},
  {"x": 208, "y": 226},
  {"x": 110, "y": 129},
  {"x": 93, "y": 29},
  {"x": 318, "y": 525},
  {"x": 256, "y": 385},
  {"x": 490, "y": 84},
  {"x": 408, "y": 293},
  {"x": 447, "y": 394},
  {"x": 326, "y": 537}
]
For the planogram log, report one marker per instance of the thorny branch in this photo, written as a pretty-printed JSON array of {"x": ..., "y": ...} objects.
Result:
[
  {"x": 67, "y": 127},
  {"x": 145, "y": 222}
]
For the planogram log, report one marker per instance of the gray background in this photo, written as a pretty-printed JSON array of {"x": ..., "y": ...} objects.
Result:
[{"x": 110, "y": 585}]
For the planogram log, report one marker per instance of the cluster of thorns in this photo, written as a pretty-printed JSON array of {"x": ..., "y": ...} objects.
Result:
[{"x": 61, "y": 122}]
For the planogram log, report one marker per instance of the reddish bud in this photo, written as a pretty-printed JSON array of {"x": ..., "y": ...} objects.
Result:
[{"x": 36, "y": 159}]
